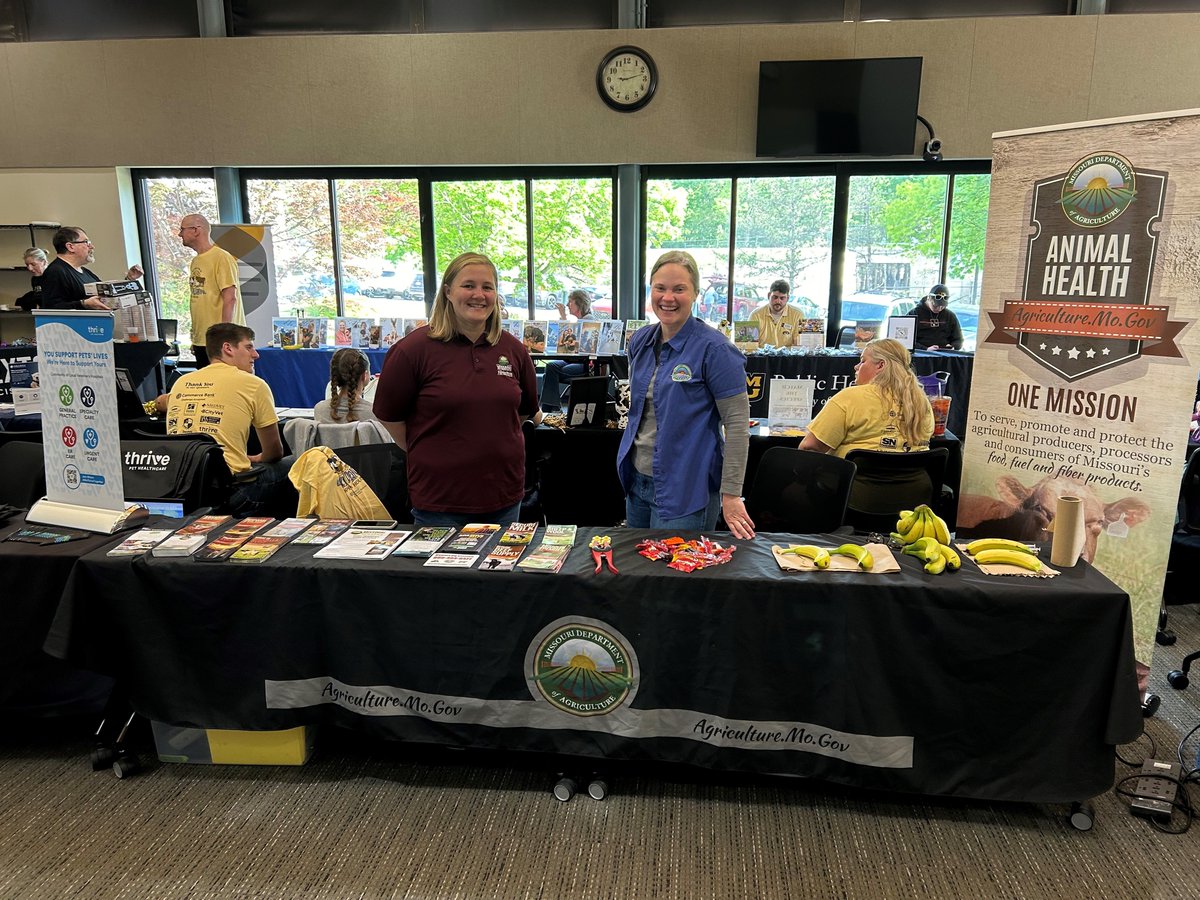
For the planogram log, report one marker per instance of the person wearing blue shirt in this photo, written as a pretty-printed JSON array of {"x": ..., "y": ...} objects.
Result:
[{"x": 687, "y": 380}]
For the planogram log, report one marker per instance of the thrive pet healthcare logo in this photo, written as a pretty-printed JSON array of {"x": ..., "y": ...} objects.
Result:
[
  {"x": 582, "y": 667},
  {"x": 1085, "y": 302}
]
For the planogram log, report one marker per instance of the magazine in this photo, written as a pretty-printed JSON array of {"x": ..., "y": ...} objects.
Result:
[
  {"x": 258, "y": 549},
  {"x": 391, "y": 330},
  {"x": 471, "y": 539},
  {"x": 745, "y": 335},
  {"x": 363, "y": 543},
  {"x": 589, "y": 338},
  {"x": 190, "y": 538},
  {"x": 519, "y": 533},
  {"x": 314, "y": 333},
  {"x": 559, "y": 535},
  {"x": 224, "y": 546},
  {"x": 284, "y": 333},
  {"x": 631, "y": 326},
  {"x": 546, "y": 558},
  {"x": 452, "y": 560},
  {"x": 426, "y": 540},
  {"x": 342, "y": 332},
  {"x": 568, "y": 338},
  {"x": 503, "y": 558},
  {"x": 552, "y": 331},
  {"x": 140, "y": 541},
  {"x": 535, "y": 337},
  {"x": 323, "y": 531},
  {"x": 865, "y": 331}
]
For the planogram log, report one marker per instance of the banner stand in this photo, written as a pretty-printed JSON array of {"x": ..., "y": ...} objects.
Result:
[{"x": 89, "y": 518}]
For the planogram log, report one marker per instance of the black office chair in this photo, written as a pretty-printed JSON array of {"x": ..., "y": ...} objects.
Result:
[
  {"x": 384, "y": 468},
  {"x": 886, "y": 483},
  {"x": 24, "y": 474},
  {"x": 800, "y": 491},
  {"x": 1184, "y": 561},
  {"x": 194, "y": 471}
]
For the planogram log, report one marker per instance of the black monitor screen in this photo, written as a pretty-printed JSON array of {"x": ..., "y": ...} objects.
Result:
[{"x": 838, "y": 107}]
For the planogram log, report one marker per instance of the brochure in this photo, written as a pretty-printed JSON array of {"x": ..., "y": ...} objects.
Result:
[
  {"x": 631, "y": 326},
  {"x": 535, "y": 336},
  {"x": 314, "y": 333},
  {"x": 745, "y": 335},
  {"x": 503, "y": 558},
  {"x": 283, "y": 333},
  {"x": 812, "y": 334},
  {"x": 472, "y": 538},
  {"x": 789, "y": 404},
  {"x": 452, "y": 560},
  {"x": 865, "y": 331},
  {"x": 515, "y": 327},
  {"x": 552, "y": 331},
  {"x": 391, "y": 330},
  {"x": 342, "y": 332},
  {"x": 258, "y": 549},
  {"x": 559, "y": 536},
  {"x": 611, "y": 332},
  {"x": 426, "y": 540},
  {"x": 589, "y": 338},
  {"x": 140, "y": 541},
  {"x": 519, "y": 533},
  {"x": 323, "y": 531},
  {"x": 190, "y": 538},
  {"x": 545, "y": 559},
  {"x": 568, "y": 338},
  {"x": 363, "y": 543},
  {"x": 238, "y": 534},
  {"x": 411, "y": 325}
]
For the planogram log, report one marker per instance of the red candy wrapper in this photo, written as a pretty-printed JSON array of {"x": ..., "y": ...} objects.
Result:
[{"x": 687, "y": 556}]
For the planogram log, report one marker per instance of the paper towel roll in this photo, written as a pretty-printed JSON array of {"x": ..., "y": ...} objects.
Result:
[{"x": 1067, "y": 544}]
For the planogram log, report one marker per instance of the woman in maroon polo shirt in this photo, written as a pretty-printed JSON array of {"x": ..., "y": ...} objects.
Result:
[{"x": 453, "y": 394}]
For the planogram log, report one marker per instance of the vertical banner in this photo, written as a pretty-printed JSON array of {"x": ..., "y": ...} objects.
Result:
[
  {"x": 1086, "y": 368},
  {"x": 81, "y": 439},
  {"x": 255, "y": 253}
]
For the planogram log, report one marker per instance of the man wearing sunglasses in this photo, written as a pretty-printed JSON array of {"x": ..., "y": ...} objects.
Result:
[
  {"x": 937, "y": 327},
  {"x": 64, "y": 283}
]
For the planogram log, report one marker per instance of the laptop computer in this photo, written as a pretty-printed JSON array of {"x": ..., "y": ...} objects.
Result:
[
  {"x": 129, "y": 404},
  {"x": 587, "y": 402}
]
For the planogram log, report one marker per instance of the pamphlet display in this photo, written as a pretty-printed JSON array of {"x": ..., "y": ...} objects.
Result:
[
  {"x": 812, "y": 334},
  {"x": 140, "y": 542},
  {"x": 745, "y": 335},
  {"x": 903, "y": 329},
  {"x": 631, "y": 327},
  {"x": 611, "y": 333},
  {"x": 225, "y": 545},
  {"x": 323, "y": 531},
  {"x": 285, "y": 333},
  {"x": 471, "y": 539},
  {"x": 313, "y": 333},
  {"x": 426, "y": 540},
  {"x": 589, "y": 338},
  {"x": 363, "y": 543},
  {"x": 789, "y": 404},
  {"x": 190, "y": 538}
]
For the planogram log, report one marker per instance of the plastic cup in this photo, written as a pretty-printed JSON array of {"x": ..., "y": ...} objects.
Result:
[
  {"x": 133, "y": 335},
  {"x": 941, "y": 411}
]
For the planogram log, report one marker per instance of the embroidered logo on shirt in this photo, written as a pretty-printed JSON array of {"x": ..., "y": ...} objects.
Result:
[
  {"x": 504, "y": 367},
  {"x": 681, "y": 373}
]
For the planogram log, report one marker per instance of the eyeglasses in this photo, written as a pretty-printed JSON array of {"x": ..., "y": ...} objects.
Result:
[{"x": 85, "y": 241}]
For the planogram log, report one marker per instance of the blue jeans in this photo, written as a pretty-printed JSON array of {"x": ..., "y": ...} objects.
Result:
[
  {"x": 642, "y": 512},
  {"x": 557, "y": 373},
  {"x": 259, "y": 497},
  {"x": 503, "y": 517}
]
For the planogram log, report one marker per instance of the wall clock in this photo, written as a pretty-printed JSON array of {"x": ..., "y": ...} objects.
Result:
[{"x": 627, "y": 78}]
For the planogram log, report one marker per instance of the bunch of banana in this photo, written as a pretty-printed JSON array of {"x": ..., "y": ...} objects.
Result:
[
  {"x": 819, "y": 555},
  {"x": 987, "y": 551},
  {"x": 938, "y": 557},
  {"x": 918, "y": 523}
]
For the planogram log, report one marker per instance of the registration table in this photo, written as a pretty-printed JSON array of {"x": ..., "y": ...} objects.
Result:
[{"x": 959, "y": 684}]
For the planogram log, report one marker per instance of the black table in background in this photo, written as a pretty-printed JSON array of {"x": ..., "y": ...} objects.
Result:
[{"x": 951, "y": 672}]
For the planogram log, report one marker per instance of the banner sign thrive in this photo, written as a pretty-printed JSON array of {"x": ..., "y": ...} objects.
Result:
[{"x": 1083, "y": 384}]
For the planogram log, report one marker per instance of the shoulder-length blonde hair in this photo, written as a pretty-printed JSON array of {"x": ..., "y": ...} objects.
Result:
[
  {"x": 900, "y": 388},
  {"x": 443, "y": 324}
]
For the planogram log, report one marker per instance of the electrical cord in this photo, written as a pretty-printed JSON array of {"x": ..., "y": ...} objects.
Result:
[
  {"x": 1137, "y": 764},
  {"x": 1183, "y": 799}
]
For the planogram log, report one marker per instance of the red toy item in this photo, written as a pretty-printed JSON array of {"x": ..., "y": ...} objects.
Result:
[{"x": 601, "y": 547}]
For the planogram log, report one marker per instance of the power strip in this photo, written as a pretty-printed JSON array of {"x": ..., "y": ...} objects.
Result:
[{"x": 1154, "y": 789}]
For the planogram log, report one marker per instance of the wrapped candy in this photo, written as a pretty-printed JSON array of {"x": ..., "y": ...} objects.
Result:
[{"x": 687, "y": 556}]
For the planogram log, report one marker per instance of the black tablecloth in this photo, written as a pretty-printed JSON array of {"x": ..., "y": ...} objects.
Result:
[
  {"x": 959, "y": 684},
  {"x": 832, "y": 373}
]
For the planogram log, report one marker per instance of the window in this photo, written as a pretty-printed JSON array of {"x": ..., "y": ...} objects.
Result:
[
  {"x": 168, "y": 201},
  {"x": 784, "y": 226},
  {"x": 572, "y": 243},
  {"x": 302, "y": 235},
  {"x": 379, "y": 237},
  {"x": 485, "y": 217},
  {"x": 964, "y": 263},
  {"x": 692, "y": 215}
]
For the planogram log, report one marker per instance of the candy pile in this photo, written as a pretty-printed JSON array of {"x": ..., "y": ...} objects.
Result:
[{"x": 687, "y": 556}]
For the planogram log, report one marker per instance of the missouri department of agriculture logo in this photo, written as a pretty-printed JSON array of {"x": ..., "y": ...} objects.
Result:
[
  {"x": 1097, "y": 189},
  {"x": 582, "y": 666}
]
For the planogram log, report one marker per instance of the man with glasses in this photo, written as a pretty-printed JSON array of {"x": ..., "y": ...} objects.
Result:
[
  {"x": 937, "y": 327},
  {"x": 216, "y": 293},
  {"x": 64, "y": 283}
]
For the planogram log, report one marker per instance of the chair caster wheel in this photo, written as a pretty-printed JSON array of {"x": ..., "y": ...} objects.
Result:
[
  {"x": 597, "y": 788},
  {"x": 1177, "y": 680},
  {"x": 102, "y": 758},
  {"x": 125, "y": 766},
  {"x": 1165, "y": 638},
  {"x": 1150, "y": 705},
  {"x": 1082, "y": 816},
  {"x": 565, "y": 789}
]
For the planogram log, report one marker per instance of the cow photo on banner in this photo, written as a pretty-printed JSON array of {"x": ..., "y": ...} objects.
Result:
[{"x": 1085, "y": 372}]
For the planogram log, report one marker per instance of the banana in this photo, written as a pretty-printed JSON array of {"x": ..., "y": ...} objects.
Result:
[
  {"x": 943, "y": 531},
  {"x": 937, "y": 565},
  {"x": 914, "y": 530},
  {"x": 858, "y": 553},
  {"x": 923, "y": 548},
  {"x": 905, "y": 521},
  {"x": 1011, "y": 557},
  {"x": 953, "y": 561},
  {"x": 819, "y": 555},
  {"x": 984, "y": 544}
]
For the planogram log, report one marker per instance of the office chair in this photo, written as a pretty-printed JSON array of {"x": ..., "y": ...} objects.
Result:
[
  {"x": 800, "y": 491},
  {"x": 384, "y": 468},
  {"x": 886, "y": 483},
  {"x": 24, "y": 474},
  {"x": 1184, "y": 561},
  {"x": 196, "y": 475}
]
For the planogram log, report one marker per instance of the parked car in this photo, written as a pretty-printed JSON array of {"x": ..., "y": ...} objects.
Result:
[
  {"x": 711, "y": 303},
  {"x": 416, "y": 288},
  {"x": 387, "y": 285}
]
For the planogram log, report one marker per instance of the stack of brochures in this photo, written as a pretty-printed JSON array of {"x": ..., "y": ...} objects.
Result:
[
  {"x": 190, "y": 538},
  {"x": 363, "y": 543}
]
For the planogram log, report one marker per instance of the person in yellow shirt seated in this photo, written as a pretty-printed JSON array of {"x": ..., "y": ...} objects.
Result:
[
  {"x": 778, "y": 323},
  {"x": 885, "y": 408},
  {"x": 225, "y": 399}
]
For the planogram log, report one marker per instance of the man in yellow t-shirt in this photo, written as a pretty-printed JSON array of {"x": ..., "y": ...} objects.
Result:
[
  {"x": 778, "y": 323},
  {"x": 224, "y": 400},
  {"x": 215, "y": 285}
]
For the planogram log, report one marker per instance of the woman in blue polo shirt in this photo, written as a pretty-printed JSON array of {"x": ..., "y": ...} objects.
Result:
[{"x": 686, "y": 381}]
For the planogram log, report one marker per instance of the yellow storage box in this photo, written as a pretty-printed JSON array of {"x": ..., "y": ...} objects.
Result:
[{"x": 290, "y": 747}]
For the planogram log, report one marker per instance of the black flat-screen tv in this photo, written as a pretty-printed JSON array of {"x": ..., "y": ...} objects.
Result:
[{"x": 841, "y": 107}]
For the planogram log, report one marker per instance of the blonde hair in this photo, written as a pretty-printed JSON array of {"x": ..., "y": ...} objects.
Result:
[
  {"x": 679, "y": 258},
  {"x": 443, "y": 324},
  {"x": 900, "y": 388}
]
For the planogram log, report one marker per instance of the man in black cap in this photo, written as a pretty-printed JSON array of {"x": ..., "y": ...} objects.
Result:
[{"x": 937, "y": 327}]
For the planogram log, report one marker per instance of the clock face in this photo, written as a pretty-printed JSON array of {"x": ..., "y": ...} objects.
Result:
[{"x": 627, "y": 79}]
